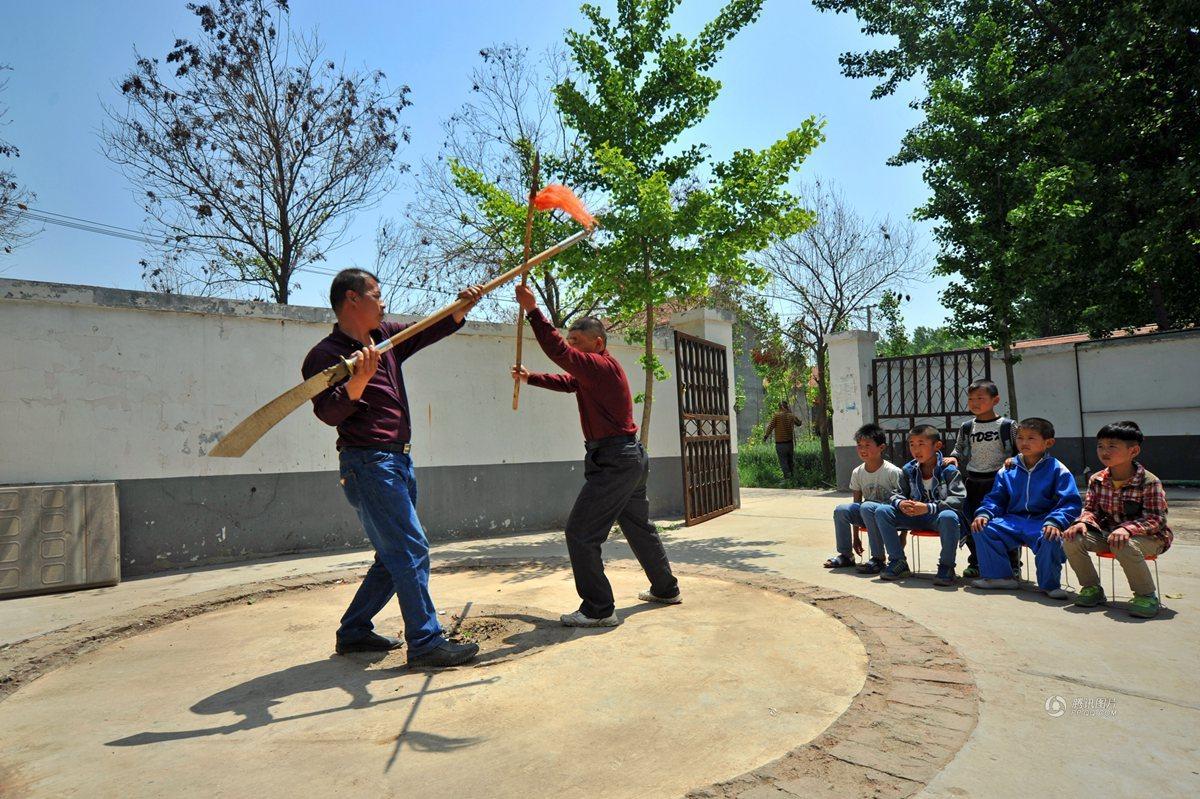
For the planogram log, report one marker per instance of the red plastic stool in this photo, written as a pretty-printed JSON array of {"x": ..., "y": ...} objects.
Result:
[
  {"x": 1065, "y": 572},
  {"x": 916, "y": 547},
  {"x": 1113, "y": 572}
]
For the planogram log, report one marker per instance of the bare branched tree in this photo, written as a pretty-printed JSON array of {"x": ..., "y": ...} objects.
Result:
[
  {"x": 256, "y": 151},
  {"x": 14, "y": 227},
  {"x": 510, "y": 114},
  {"x": 409, "y": 284},
  {"x": 824, "y": 278}
]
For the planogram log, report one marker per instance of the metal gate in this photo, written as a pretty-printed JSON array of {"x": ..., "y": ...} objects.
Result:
[
  {"x": 704, "y": 438},
  {"x": 927, "y": 388}
]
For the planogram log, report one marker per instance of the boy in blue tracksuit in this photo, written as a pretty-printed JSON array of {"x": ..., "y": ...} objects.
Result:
[
  {"x": 930, "y": 497},
  {"x": 1030, "y": 504}
]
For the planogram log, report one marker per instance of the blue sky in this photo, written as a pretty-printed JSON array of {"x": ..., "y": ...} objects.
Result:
[{"x": 68, "y": 55}]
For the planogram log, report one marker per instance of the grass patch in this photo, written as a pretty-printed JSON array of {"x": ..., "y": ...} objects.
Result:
[{"x": 758, "y": 466}]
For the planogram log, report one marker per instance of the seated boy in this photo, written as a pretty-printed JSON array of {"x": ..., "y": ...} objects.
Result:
[
  {"x": 874, "y": 480},
  {"x": 1029, "y": 504},
  {"x": 930, "y": 496},
  {"x": 1125, "y": 513},
  {"x": 980, "y": 451}
]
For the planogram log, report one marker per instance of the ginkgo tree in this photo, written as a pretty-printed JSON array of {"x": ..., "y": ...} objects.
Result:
[{"x": 674, "y": 221}]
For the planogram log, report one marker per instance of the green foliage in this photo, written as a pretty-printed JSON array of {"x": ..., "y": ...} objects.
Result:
[
  {"x": 676, "y": 222},
  {"x": 1059, "y": 144},
  {"x": 758, "y": 466},
  {"x": 504, "y": 220}
]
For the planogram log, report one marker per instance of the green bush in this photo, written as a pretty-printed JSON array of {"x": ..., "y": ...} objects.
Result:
[{"x": 758, "y": 466}]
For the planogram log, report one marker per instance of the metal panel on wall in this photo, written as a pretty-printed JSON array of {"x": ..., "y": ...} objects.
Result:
[{"x": 58, "y": 538}]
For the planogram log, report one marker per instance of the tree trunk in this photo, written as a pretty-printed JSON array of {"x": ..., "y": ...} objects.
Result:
[
  {"x": 1161, "y": 318},
  {"x": 648, "y": 399},
  {"x": 823, "y": 397},
  {"x": 1007, "y": 357}
]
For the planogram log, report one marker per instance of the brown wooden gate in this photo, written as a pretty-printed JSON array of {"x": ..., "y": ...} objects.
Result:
[{"x": 704, "y": 428}]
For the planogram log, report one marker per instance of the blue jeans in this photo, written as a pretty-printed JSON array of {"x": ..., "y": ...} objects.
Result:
[
  {"x": 845, "y": 518},
  {"x": 889, "y": 521},
  {"x": 381, "y": 488},
  {"x": 1010, "y": 532}
]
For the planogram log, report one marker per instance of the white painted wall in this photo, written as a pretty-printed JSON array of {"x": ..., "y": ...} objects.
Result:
[{"x": 99, "y": 384}]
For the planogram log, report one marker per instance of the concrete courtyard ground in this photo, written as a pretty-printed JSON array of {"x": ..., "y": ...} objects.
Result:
[{"x": 775, "y": 678}]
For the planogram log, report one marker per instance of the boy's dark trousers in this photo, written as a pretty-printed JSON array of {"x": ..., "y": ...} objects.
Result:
[
  {"x": 978, "y": 485},
  {"x": 615, "y": 470}
]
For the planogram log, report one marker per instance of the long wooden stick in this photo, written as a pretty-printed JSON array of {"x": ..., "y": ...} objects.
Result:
[
  {"x": 533, "y": 190},
  {"x": 237, "y": 441}
]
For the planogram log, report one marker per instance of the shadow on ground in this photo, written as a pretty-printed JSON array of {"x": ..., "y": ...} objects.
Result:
[
  {"x": 544, "y": 553},
  {"x": 522, "y": 634}
]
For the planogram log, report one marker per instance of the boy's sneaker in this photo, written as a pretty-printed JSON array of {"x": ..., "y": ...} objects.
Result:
[
  {"x": 945, "y": 575},
  {"x": 970, "y": 573},
  {"x": 650, "y": 596},
  {"x": 577, "y": 619},
  {"x": 994, "y": 583},
  {"x": 1090, "y": 596},
  {"x": 895, "y": 570},
  {"x": 1144, "y": 607},
  {"x": 1057, "y": 593},
  {"x": 872, "y": 566}
]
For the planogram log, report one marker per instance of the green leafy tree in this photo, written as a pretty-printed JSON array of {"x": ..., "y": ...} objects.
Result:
[
  {"x": 675, "y": 222},
  {"x": 1058, "y": 142}
]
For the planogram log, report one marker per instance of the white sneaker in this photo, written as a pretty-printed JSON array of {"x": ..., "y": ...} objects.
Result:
[
  {"x": 1001, "y": 582},
  {"x": 1058, "y": 593},
  {"x": 577, "y": 619},
  {"x": 648, "y": 596}
]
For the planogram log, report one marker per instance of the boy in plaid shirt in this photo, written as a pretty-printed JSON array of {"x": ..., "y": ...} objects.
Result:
[{"x": 1125, "y": 513}]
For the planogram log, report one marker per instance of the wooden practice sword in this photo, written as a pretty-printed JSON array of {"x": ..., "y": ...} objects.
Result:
[{"x": 237, "y": 441}]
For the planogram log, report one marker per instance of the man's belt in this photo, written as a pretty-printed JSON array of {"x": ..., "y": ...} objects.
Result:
[
  {"x": 403, "y": 447},
  {"x": 608, "y": 442}
]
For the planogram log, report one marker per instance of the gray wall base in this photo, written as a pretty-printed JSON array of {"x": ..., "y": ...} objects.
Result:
[{"x": 183, "y": 522}]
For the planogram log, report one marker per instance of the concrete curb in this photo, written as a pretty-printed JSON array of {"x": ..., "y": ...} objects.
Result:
[{"x": 918, "y": 705}]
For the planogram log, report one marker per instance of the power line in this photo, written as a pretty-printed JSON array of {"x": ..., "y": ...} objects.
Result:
[{"x": 129, "y": 234}]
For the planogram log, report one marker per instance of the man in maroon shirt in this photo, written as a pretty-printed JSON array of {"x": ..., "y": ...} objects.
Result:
[
  {"x": 371, "y": 414},
  {"x": 615, "y": 467}
]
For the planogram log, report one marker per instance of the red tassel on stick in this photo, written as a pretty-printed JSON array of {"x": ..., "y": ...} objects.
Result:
[{"x": 556, "y": 195}]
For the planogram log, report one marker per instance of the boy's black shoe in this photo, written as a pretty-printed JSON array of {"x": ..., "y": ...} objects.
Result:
[
  {"x": 448, "y": 654},
  {"x": 945, "y": 575},
  {"x": 374, "y": 642},
  {"x": 970, "y": 573},
  {"x": 872, "y": 566}
]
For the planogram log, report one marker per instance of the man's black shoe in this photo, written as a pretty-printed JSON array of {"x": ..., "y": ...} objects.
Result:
[
  {"x": 372, "y": 643},
  {"x": 448, "y": 654}
]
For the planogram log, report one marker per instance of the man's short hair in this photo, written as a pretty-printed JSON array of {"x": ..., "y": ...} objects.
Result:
[
  {"x": 356, "y": 280},
  {"x": 1043, "y": 427},
  {"x": 871, "y": 432},
  {"x": 1122, "y": 431},
  {"x": 926, "y": 431},
  {"x": 984, "y": 385},
  {"x": 590, "y": 325}
]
